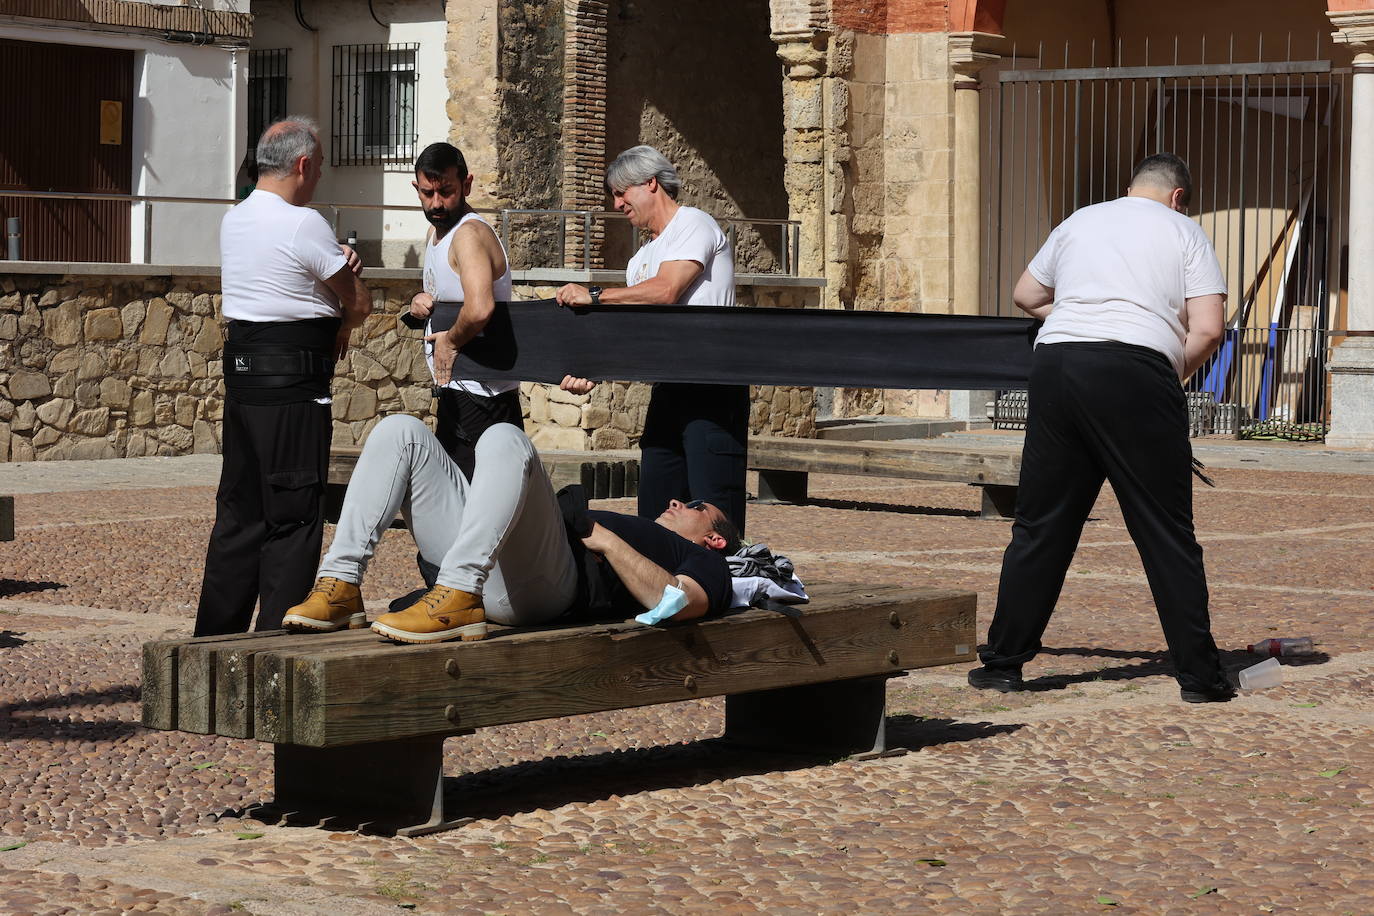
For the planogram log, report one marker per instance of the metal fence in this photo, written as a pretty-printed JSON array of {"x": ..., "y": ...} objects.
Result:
[
  {"x": 503, "y": 220},
  {"x": 1260, "y": 384},
  {"x": 1267, "y": 143}
]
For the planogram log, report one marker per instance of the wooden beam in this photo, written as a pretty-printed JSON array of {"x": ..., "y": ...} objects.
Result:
[
  {"x": 392, "y": 691},
  {"x": 924, "y": 460}
]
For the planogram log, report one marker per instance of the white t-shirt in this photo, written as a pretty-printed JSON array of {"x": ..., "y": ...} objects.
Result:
[
  {"x": 691, "y": 235},
  {"x": 1121, "y": 271},
  {"x": 274, "y": 259},
  {"x": 443, "y": 283}
]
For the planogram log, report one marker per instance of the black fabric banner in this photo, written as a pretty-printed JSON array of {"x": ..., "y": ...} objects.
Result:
[{"x": 541, "y": 342}]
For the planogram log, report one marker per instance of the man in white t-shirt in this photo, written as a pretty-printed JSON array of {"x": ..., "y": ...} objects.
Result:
[
  {"x": 291, "y": 296},
  {"x": 1132, "y": 298},
  {"x": 693, "y": 445}
]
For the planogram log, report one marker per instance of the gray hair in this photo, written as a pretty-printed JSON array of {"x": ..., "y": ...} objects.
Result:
[
  {"x": 637, "y": 165},
  {"x": 283, "y": 142}
]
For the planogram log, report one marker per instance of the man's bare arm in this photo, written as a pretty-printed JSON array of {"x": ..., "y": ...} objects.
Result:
[
  {"x": 1033, "y": 297},
  {"x": 1206, "y": 317},
  {"x": 354, "y": 300},
  {"x": 664, "y": 288},
  {"x": 643, "y": 577},
  {"x": 477, "y": 258}
]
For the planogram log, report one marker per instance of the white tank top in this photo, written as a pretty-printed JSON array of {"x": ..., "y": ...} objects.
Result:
[{"x": 443, "y": 283}]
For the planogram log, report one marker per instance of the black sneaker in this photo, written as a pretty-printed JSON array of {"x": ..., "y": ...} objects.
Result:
[
  {"x": 400, "y": 604},
  {"x": 1003, "y": 680},
  {"x": 1221, "y": 694}
]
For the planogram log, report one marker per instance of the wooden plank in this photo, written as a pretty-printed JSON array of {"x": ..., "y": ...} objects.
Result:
[
  {"x": 396, "y": 691},
  {"x": 924, "y": 461},
  {"x": 160, "y": 677},
  {"x": 233, "y": 663},
  {"x": 195, "y": 688},
  {"x": 6, "y": 518},
  {"x": 561, "y": 464},
  {"x": 160, "y": 684}
]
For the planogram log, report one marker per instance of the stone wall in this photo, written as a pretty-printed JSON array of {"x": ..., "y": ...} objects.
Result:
[
  {"x": 529, "y": 138},
  {"x": 700, "y": 82},
  {"x": 115, "y": 367},
  {"x": 126, "y": 366}
]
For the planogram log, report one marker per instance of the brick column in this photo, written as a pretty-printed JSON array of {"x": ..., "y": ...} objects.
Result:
[{"x": 584, "y": 124}]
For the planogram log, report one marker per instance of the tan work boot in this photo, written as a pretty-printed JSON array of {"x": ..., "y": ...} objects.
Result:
[
  {"x": 331, "y": 605},
  {"x": 442, "y": 614}
]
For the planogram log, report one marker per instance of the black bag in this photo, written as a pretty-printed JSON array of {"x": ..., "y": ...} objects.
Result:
[{"x": 593, "y": 601}]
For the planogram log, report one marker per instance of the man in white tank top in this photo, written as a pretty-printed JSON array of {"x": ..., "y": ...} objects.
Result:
[{"x": 464, "y": 262}]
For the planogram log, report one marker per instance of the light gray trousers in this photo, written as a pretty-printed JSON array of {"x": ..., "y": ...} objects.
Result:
[{"x": 501, "y": 536}]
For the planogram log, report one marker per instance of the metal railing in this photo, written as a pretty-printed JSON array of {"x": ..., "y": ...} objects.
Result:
[
  {"x": 1262, "y": 383},
  {"x": 1265, "y": 381},
  {"x": 587, "y": 221}
]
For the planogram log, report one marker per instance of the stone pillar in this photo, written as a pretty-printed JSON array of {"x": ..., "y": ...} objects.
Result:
[
  {"x": 804, "y": 62},
  {"x": 1352, "y": 367},
  {"x": 969, "y": 52},
  {"x": 473, "y": 82}
]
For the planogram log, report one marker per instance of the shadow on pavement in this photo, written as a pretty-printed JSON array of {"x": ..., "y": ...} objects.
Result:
[
  {"x": 17, "y": 720},
  {"x": 895, "y": 508},
  {"x": 913, "y": 733},
  {"x": 1151, "y": 664},
  {"x": 553, "y": 782},
  {"x": 9, "y": 588},
  {"x": 10, "y": 638}
]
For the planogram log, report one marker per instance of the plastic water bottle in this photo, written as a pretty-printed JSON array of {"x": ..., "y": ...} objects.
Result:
[{"x": 1295, "y": 645}]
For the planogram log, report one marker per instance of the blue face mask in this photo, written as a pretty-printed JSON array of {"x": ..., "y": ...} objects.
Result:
[{"x": 674, "y": 599}]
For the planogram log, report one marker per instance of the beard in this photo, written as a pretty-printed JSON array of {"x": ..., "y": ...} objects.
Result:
[{"x": 442, "y": 219}]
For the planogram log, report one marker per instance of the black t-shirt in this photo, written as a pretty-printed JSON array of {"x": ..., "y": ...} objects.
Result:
[{"x": 669, "y": 550}]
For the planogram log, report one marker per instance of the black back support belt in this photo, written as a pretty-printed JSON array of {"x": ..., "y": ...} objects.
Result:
[
  {"x": 541, "y": 342},
  {"x": 276, "y": 361}
]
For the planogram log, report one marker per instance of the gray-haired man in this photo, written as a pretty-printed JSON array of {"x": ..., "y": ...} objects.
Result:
[
  {"x": 292, "y": 294},
  {"x": 694, "y": 435}
]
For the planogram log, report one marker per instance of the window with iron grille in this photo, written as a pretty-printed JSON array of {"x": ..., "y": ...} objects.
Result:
[
  {"x": 374, "y": 104},
  {"x": 267, "y": 76}
]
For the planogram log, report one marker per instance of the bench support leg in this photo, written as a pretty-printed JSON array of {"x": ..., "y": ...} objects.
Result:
[
  {"x": 841, "y": 718},
  {"x": 381, "y": 786},
  {"x": 998, "y": 501},
  {"x": 782, "y": 487}
]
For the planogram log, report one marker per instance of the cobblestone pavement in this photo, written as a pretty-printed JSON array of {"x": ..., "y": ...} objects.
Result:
[{"x": 1095, "y": 790}]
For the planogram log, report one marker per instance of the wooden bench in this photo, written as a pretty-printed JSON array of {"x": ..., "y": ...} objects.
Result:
[
  {"x": 359, "y": 723},
  {"x": 605, "y": 475},
  {"x": 6, "y": 518},
  {"x": 783, "y": 465}
]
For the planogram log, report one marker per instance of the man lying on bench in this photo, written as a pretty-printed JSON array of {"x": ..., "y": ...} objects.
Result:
[{"x": 502, "y": 545}]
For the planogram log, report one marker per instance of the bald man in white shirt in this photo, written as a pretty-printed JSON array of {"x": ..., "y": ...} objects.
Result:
[{"x": 1132, "y": 298}]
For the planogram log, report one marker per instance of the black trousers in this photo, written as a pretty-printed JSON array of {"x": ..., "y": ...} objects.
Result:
[
  {"x": 462, "y": 417},
  {"x": 269, "y": 515},
  {"x": 693, "y": 447},
  {"x": 460, "y": 420},
  {"x": 1116, "y": 412}
]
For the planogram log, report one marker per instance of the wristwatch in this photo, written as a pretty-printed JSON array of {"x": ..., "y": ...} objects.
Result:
[{"x": 595, "y": 293}]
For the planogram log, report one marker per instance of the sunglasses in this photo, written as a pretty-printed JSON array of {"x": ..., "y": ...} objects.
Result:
[{"x": 697, "y": 504}]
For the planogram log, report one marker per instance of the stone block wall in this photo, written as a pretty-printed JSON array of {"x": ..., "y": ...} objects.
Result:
[{"x": 127, "y": 366}]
